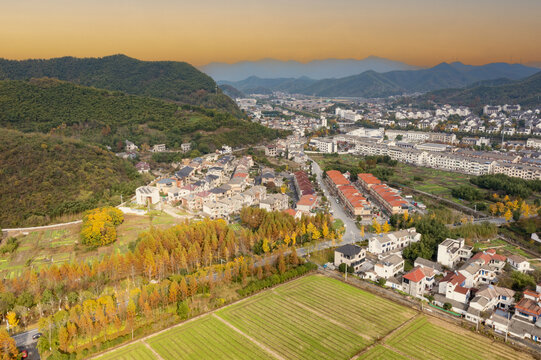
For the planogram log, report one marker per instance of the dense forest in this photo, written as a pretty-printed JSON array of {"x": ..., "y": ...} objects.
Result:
[
  {"x": 171, "y": 80},
  {"x": 101, "y": 116},
  {"x": 44, "y": 176}
]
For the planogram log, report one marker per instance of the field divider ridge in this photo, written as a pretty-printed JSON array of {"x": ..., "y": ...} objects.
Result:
[
  {"x": 151, "y": 349},
  {"x": 262, "y": 346},
  {"x": 389, "y": 334}
]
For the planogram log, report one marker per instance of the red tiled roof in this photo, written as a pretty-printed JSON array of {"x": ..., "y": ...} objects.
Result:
[
  {"x": 308, "y": 200},
  {"x": 529, "y": 306},
  {"x": 337, "y": 178},
  {"x": 415, "y": 275},
  {"x": 461, "y": 290},
  {"x": 369, "y": 179},
  {"x": 290, "y": 212},
  {"x": 453, "y": 278}
]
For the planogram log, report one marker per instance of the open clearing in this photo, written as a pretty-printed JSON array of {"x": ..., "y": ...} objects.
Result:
[{"x": 316, "y": 317}]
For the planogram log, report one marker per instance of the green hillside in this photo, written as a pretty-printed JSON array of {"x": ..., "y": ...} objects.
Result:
[
  {"x": 44, "y": 176},
  {"x": 171, "y": 80},
  {"x": 109, "y": 118},
  {"x": 525, "y": 92}
]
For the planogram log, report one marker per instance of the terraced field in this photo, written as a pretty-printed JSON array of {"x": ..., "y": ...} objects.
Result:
[{"x": 316, "y": 317}]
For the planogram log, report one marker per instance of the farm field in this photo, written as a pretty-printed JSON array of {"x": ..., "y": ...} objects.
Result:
[
  {"x": 317, "y": 317},
  {"x": 430, "y": 338},
  {"x": 136, "y": 351},
  {"x": 201, "y": 338}
]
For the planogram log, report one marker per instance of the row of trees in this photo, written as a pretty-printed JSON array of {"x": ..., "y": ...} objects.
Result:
[
  {"x": 157, "y": 255},
  {"x": 122, "y": 311}
]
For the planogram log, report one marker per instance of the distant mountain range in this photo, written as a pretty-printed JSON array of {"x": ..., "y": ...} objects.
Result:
[
  {"x": 371, "y": 84},
  {"x": 316, "y": 69},
  {"x": 526, "y": 92}
]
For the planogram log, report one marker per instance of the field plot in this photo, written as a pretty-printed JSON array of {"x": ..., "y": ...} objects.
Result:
[
  {"x": 429, "y": 338},
  {"x": 381, "y": 352},
  {"x": 316, "y": 317},
  {"x": 137, "y": 351},
  {"x": 360, "y": 311},
  {"x": 205, "y": 338}
]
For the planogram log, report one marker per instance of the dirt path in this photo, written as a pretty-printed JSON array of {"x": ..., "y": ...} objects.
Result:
[
  {"x": 267, "y": 349},
  {"x": 151, "y": 349}
]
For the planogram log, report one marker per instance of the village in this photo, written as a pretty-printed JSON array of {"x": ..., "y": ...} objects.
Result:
[{"x": 461, "y": 282}]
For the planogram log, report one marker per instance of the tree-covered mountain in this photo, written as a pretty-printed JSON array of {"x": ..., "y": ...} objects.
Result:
[
  {"x": 232, "y": 92},
  {"x": 109, "y": 118},
  {"x": 45, "y": 176},
  {"x": 170, "y": 80},
  {"x": 526, "y": 92},
  {"x": 373, "y": 84}
]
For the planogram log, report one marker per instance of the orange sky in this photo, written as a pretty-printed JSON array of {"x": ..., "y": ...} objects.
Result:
[{"x": 418, "y": 32}]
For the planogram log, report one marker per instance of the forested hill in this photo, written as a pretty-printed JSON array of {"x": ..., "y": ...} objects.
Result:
[
  {"x": 109, "y": 118},
  {"x": 525, "y": 92},
  {"x": 171, "y": 80},
  {"x": 44, "y": 176}
]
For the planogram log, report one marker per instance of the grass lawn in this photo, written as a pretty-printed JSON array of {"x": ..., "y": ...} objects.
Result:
[
  {"x": 316, "y": 317},
  {"x": 57, "y": 246}
]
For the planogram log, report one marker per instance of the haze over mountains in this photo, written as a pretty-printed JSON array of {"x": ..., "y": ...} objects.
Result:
[
  {"x": 315, "y": 69},
  {"x": 371, "y": 84}
]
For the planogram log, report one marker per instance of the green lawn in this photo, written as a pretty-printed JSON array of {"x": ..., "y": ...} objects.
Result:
[{"x": 136, "y": 351}]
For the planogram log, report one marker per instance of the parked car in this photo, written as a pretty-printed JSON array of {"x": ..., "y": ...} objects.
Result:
[
  {"x": 23, "y": 354},
  {"x": 36, "y": 336}
]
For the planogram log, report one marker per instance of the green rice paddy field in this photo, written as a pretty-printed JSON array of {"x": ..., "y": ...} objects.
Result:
[{"x": 315, "y": 317}]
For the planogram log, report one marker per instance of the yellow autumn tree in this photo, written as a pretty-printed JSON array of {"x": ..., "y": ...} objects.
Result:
[
  {"x": 8, "y": 346},
  {"x": 293, "y": 239},
  {"x": 508, "y": 215},
  {"x": 362, "y": 231},
  {"x": 525, "y": 209},
  {"x": 325, "y": 230},
  {"x": 265, "y": 245},
  {"x": 12, "y": 320},
  {"x": 287, "y": 240},
  {"x": 377, "y": 227},
  {"x": 316, "y": 234},
  {"x": 406, "y": 215},
  {"x": 386, "y": 227}
]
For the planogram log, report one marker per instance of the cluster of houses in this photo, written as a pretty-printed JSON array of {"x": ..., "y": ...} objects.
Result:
[
  {"x": 459, "y": 280},
  {"x": 214, "y": 186}
]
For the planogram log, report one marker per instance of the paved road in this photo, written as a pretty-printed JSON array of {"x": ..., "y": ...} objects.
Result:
[
  {"x": 25, "y": 342},
  {"x": 352, "y": 232}
]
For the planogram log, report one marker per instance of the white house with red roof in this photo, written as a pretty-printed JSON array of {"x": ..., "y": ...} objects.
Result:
[
  {"x": 307, "y": 203},
  {"x": 413, "y": 282}
]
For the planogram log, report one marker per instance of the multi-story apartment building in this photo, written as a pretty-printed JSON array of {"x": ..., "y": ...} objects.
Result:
[{"x": 452, "y": 251}]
